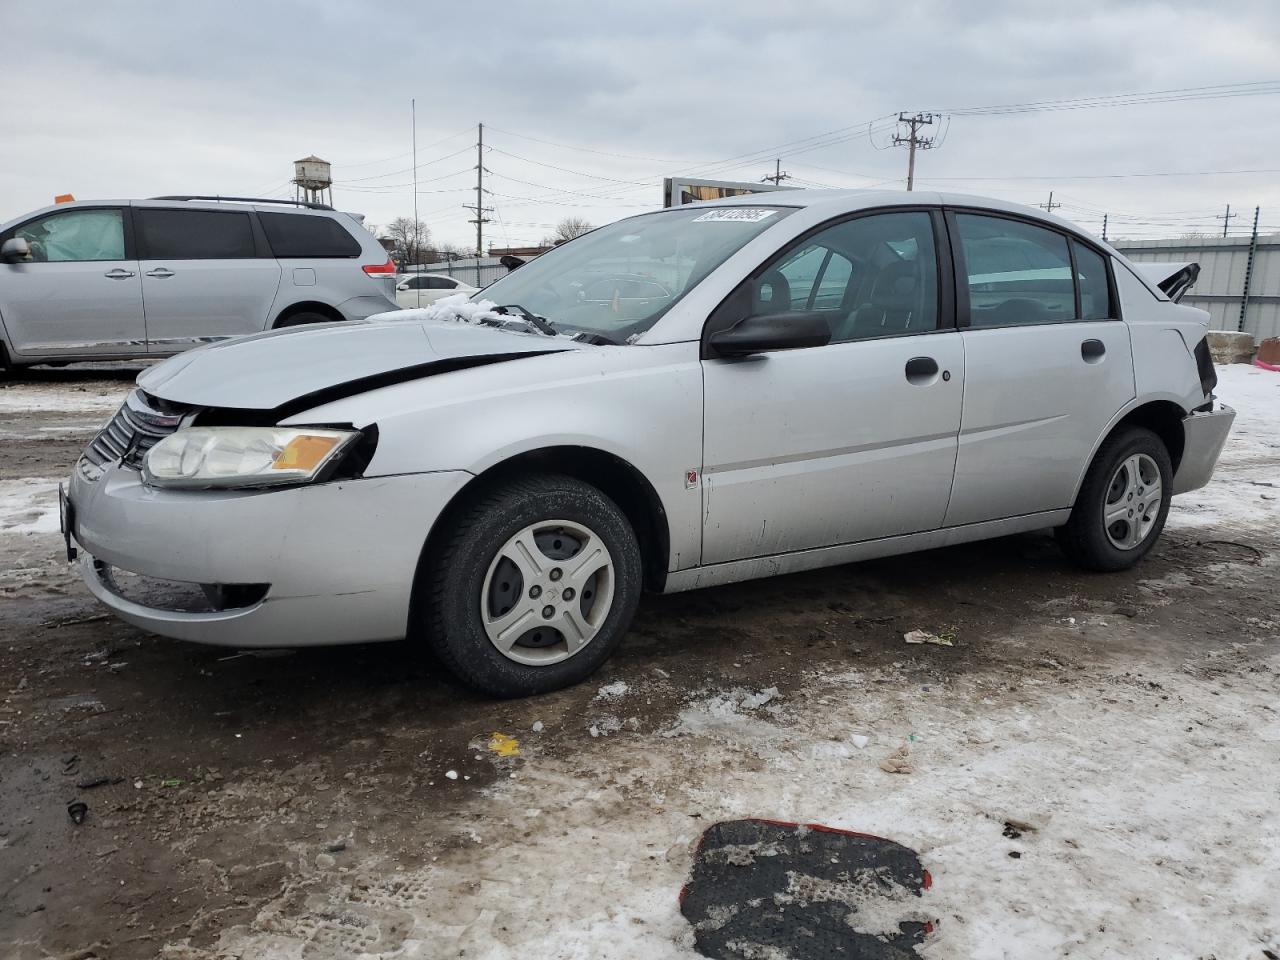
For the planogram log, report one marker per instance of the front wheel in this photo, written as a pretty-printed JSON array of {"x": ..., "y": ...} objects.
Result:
[
  {"x": 1123, "y": 503},
  {"x": 536, "y": 584}
]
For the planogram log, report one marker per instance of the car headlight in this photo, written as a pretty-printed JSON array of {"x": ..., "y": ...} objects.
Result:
[{"x": 203, "y": 457}]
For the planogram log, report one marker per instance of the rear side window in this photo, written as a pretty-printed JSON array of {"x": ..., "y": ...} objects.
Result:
[
  {"x": 307, "y": 236},
  {"x": 1018, "y": 273},
  {"x": 1091, "y": 275},
  {"x": 193, "y": 235}
]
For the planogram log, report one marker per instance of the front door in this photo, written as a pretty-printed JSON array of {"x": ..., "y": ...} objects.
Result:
[
  {"x": 80, "y": 294},
  {"x": 851, "y": 441},
  {"x": 205, "y": 276},
  {"x": 1048, "y": 364}
]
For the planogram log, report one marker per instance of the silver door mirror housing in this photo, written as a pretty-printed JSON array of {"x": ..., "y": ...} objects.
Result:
[{"x": 15, "y": 249}]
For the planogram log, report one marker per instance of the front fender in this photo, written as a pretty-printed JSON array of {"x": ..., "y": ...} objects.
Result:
[{"x": 642, "y": 405}]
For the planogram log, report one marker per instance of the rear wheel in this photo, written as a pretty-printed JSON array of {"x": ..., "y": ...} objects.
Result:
[
  {"x": 534, "y": 587},
  {"x": 1123, "y": 503}
]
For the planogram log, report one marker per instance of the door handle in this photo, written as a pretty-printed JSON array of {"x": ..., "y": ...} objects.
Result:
[
  {"x": 1093, "y": 350},
  {"x": 119, "y": 274},
  {"x": 160, "y": 273},
  {"x": 921, "y": 370}
]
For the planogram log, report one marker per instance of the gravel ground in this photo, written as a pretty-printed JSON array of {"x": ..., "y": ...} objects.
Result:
[{"x": 1091, "y": 768}]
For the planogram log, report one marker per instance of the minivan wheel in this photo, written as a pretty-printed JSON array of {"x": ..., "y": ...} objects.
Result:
[
  {"x": 1123, "y": 503},
  {"x": 535, "y": 585}
]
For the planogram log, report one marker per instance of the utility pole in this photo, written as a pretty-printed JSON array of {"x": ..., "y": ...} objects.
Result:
[
  {"x": 1051, "y": 206},
  {"x": 413, "y": 114},
  {"x": 1226, "y": 218},
  {"x": 778, "y": 175},
  {"x": 914, "y": 141},
  {"x": 1104, "y": 226},
  {"x": 1248, "y": 271},
  {"x": 479, "y": 209}
]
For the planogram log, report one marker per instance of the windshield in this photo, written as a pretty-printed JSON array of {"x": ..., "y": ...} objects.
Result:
[{"x": 615, "y": 282}]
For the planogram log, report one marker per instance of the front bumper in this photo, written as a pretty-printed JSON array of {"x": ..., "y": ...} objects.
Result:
[
  {"x": 1204, "y": 435},
  {"x": 338, "y": 558}
]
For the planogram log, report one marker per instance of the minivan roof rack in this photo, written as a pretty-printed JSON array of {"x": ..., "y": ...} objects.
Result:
[{"x": 297, "y": 203}]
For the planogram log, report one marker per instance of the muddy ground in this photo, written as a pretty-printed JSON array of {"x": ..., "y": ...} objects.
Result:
[{"x": 298, "y": 804}]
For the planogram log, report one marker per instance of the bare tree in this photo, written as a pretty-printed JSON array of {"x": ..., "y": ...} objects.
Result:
[
  {"x": 568, "y": 228},
  {"x": 412, "y": 238}
]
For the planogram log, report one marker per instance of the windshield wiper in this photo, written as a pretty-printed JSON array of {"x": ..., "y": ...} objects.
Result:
[
  {"x": 597, "y": 340},
  {"x": 538, "y": 323}
]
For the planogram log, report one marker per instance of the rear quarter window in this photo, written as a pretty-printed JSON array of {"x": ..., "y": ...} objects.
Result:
[{"x": 294, "y": 235}]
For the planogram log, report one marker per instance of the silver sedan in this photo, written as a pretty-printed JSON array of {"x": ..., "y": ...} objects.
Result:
[{"x": 684, "y": 398}]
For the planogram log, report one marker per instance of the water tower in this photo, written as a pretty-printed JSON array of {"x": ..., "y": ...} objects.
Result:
[{"x": 313, "y": 180}]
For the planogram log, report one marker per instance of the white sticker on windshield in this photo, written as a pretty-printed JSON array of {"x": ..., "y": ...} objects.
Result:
[{"x": 735, "y": 214}]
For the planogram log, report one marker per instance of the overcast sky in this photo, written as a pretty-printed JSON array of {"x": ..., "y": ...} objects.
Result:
[{"x": 137, "y": 99}]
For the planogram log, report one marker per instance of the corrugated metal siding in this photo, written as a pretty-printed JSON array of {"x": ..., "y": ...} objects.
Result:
[
  {"x": 1221, "y": 284},
  {"x": 477, "y": 271}
]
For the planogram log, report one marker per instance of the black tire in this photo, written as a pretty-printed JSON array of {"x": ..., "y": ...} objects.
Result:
[
  {"x": 447, "y": 599},
  {"x": 303, "y": 318},
  {"x": 1084, "y": 538}
]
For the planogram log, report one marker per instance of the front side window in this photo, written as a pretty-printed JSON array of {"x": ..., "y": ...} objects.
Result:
[
  {"x": 617, "y": 281},
  {"x": 193, "y": 235},
  {"x": 872, "y": 276},
  {"x": 76, "y": 235},
  {"x": 1017, "y": 273}
]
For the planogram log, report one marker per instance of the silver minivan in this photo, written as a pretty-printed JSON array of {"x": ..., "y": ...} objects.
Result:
[{"x": 92, "y": 280}]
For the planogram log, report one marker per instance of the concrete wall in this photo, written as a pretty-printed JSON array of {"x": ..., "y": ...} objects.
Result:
[{"x": 1221, "y": 285}]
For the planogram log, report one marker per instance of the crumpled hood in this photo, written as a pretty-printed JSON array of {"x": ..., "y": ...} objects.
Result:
[{"x": 268, "y": 370}]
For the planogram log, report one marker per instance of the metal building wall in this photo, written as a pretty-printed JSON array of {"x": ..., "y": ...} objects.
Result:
[{"x": 1220, "y": 288}]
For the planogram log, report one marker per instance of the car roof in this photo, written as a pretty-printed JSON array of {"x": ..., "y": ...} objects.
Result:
[
  {"x": 837, "y": 201},
  {"x": 268, "y": 207}
]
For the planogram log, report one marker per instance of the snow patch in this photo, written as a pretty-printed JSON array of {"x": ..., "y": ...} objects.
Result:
[{"x": 29, "y": 505}]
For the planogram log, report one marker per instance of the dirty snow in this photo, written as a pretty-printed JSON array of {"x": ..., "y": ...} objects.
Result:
[
  {"x": 28, "y": 505},
  {"x": 59, "y": 398},
  {"x": 1245, "y": 492}
]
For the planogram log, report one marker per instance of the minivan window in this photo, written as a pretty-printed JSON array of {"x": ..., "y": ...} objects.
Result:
[
  {"x": 618, "y": 280},
  {"x": 1018, "y": 273},
  {"x": 75, "y": 235},
  {"x": 307, "y": 236},
  {"x": 193, "y": 234}
]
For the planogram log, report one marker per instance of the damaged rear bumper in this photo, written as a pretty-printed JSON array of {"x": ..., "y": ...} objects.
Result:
[{"x": 1204, "y": 434}]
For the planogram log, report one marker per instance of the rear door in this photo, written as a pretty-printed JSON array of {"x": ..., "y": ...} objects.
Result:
[
  {"x": 206, "y": 275},
  {"x": 80, "y": 294},
  {"x": 851, "y": 441},
  {"x": 1048, "y": 364}
]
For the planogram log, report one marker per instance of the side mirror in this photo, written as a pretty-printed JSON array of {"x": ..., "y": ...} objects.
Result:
[
  {"x": 771, "y": 331},
  {"x": 15, "y": 249}
]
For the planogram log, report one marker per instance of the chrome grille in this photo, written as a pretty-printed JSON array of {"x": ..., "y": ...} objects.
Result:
[{"x": 138, "y": 425}]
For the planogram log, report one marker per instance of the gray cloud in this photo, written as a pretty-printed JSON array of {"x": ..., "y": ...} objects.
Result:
[{"x": 148, "y": 98}]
